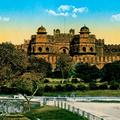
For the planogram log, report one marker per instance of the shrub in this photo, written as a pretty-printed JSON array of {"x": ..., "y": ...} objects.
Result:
[
  {"x": 114, "y": 86},
  {"x": 74, "y": 80},
  {"x": 93, "y": 86},
  {"x": 46, "y": 81},
  {"x": 40, "y": 91},
  {"x": 70, "y": 87},
  {"x": 48, "y": 88},
  {"x": 103, "y": 86},
  {"x": 59, "y": 88},
  {"x": 82, "y": 87}
]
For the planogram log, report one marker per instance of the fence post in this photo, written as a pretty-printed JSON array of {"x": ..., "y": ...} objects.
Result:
[
  {"x": 54, "y": 103},
  {"x": 65, "y": 105},
  {"x": 83, "y": 113},
  {"x": 88, "y": 116},
  {"x": 78, "y": 111},
  {"x": 69, "y": 107},
  {"x": 73, "y": 109},
  {"x": 58, "y": 103},
  {"x": 61, "y": 104}
]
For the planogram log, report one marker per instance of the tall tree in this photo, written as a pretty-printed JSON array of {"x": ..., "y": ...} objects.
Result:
[
  {"x": 86, "y": 72},
  {"x": 64, "y": 64},
  {"x": 12, "y": 61},
  {"x": 111, "y": 72},
  {"x": 39, "y": 65}
]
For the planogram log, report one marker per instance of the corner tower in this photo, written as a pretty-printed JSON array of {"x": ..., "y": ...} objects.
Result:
[{"x": 87, "y": 42}]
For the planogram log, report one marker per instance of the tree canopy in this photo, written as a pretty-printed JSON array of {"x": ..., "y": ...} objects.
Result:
[
  {"x": 86, "y": 72},
  {"x": 12, "y": 61},
  {"x": 111, "y": 72}
]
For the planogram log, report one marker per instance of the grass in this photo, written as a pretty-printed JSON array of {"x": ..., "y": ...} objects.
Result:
[
  {"x": 52, "y": 113},
  {"x": 109, "y": 93},
  {"x": 14, "y": 117}
]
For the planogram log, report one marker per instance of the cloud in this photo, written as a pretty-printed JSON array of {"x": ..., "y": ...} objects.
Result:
[
  {"x": 74, "y": 15},
  {"x": 116, "y": 17},
  {"x": 53, "y": 13},
  {"x": 80, "y": 10},
  {"x": 4, "y": 19},
  {"x": 65, "y": 7},
  {"x": 67, "y": 10}
]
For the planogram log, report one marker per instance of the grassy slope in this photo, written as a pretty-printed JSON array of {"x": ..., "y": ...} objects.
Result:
[
  {"x": 53, "y": 113},
  {"x": 86, "y": 93}
]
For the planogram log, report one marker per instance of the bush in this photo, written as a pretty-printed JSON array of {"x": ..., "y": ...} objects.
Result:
[
  {"x": 48, "y": 88},
  {"x": 93, "y": 86},
  {"x": 70, "y": 87},
  {"x": 74, "y": 80},
  {"x": 103, "y": 86},
  {"x": 114, "y": 86},
  {"x": 40, "y": 91},
  {"x": 82, "y": 87},
  {"x": 59, "y": 88},
  {"x": 46, "y": 81}
]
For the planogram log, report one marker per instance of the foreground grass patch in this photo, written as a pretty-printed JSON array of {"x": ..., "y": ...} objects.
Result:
[
  {"x": 14, "y": 117},
  {"x": 52, "y": 113}
]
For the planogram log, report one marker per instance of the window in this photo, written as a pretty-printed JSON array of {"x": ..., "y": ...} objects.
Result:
[
  {"x": 47, "y": 49},
  {"x": 64, "y": 51},
  {"x": 40, "y": 49},
  {"x": 84, "y": 49},
  {"x": 91, "y": 49}
]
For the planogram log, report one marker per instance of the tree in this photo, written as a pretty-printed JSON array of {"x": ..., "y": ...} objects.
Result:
[
  {"x": 28, "y": 83},
  {"x": 40, "y": 65},
  {"x": 111, "y": 72},
  {"x": 86, "y": 72},
  {"x": 64, "y": 64},
  {"x": 12, "y": 61}
]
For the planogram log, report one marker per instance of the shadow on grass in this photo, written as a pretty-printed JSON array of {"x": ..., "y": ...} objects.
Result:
[{"x": 52, "y": 113}]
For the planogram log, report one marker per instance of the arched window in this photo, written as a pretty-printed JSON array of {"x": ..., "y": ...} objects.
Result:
[
  {"x": 84, "y": 49},
  {"x": 40, "y": 49},
  {"x": 64, "y": 51},
  {"x": 91, "y": 49},
  {"x": 47, "y": 49}
]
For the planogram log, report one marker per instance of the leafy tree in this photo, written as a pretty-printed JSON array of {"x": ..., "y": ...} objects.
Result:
[
  {"x": 28, "y": 83},
  {"x": 12, "y": 61},
  {"x": 64, "y": 65},
  {"x": 40, "y": 65},
  {"x": 86, "y": 72},
  {"x": 111, "y": 72}
]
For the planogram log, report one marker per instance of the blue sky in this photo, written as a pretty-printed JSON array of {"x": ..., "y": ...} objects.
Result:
[{"x": 20, "y": 18}]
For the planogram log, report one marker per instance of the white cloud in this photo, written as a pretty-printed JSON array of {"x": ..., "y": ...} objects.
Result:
[
  {"x": 4, "y": 19},
  {"x": 116, "y": 17},
  {"x": 53, "y": 13},
  {"x": 74, "y": 15},
  {"x": 80, "y": 10},
  {"x": 0, "y": 18},
  {"x": 65, "y": 7},
  {"x": 67, "y": 10}
]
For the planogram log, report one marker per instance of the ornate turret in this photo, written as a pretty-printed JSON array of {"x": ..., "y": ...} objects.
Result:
[
  {"x": 84, "y": 30},
  {"x": 41, "y": 30}
]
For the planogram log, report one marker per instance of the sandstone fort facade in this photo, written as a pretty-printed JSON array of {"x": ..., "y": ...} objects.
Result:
[{"x": 83, "y": 47}]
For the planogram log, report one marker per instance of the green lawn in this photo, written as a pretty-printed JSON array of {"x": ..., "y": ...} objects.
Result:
[
  {"x": 52, "y": 113},
  {"x": 91, "y": 93}
]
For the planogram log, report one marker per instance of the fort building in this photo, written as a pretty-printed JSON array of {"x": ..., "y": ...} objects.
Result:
[{"x": 83, "y": 47}]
